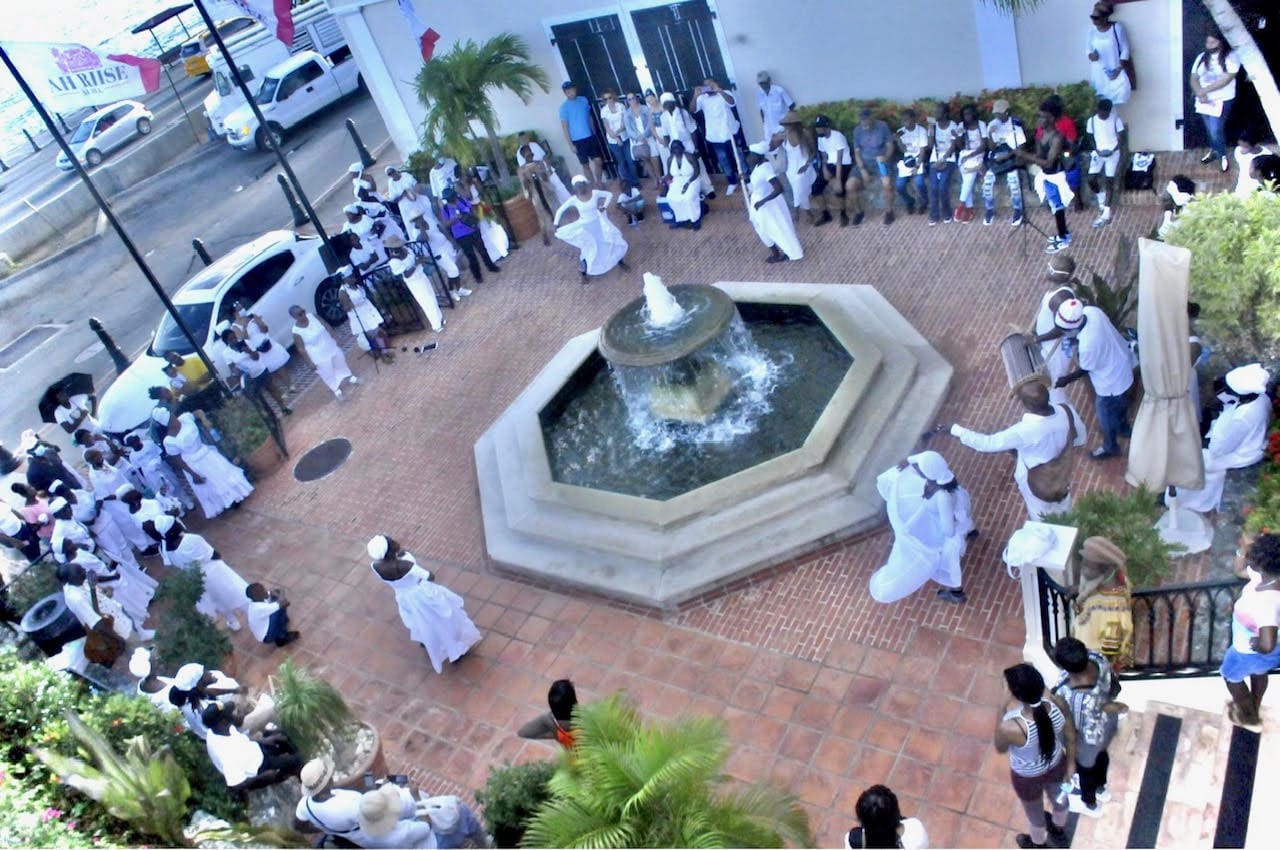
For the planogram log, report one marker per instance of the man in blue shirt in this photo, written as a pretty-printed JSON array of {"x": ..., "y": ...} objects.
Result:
[{"x": 575, "y": 118}]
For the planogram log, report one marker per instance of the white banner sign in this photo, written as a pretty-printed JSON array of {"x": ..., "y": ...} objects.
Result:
[{"x": 71, "y": 76}]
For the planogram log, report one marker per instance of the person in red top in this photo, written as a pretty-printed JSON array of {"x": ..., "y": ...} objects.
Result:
[{"x": 558, "y": 722}]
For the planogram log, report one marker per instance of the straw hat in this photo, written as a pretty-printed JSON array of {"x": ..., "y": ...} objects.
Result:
[
  {"x": 380, "y": 809},
  {"x": 315, "y": 775},
  {"x": 792, "y": 117}
]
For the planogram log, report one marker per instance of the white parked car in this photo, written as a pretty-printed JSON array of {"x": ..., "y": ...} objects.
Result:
[
  {"x": 291, "y": 92},
  {"x": 105, "y": 130},
  {"x": 273, "y": 272}
]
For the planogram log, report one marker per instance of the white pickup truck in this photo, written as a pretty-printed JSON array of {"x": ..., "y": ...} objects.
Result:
[{"x": 290, "y": 92}]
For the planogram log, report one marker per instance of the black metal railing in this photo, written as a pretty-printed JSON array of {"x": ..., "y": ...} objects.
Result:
[
  {"x": 1179, "y": 630},
  {"x": 388, "y": 292}
]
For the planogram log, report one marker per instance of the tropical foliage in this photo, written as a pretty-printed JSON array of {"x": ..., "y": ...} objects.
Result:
[
  {"x": 1235, "y": 271},
  {"x": 183, "y": 634},
  {"x": 30, "y": 819},
  {"x": 455, "y": 88},
  {"x": 633, "y": 783},
  {"x": 510, "y": 796},
  {"x": 1262, "y": 514},
  {"x": 1127, "y": 520},
  {"x": 309, "y": 709},
  {"x": 1118, "y": 298}
]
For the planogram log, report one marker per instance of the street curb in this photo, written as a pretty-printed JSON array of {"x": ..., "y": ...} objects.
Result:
[{"x": 70, "y": 250}]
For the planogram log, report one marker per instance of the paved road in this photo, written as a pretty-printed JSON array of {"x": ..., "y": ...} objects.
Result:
[
  {"x": 216, "y": 193},
  {"x": 37, "y": 178}
]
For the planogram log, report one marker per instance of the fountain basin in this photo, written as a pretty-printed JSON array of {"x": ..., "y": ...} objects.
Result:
[{"x": 665, "y": 552}]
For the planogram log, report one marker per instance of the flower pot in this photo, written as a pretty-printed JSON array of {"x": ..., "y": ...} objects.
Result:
[
  {"x": 263, "y": 460},
  {"x": 351, "y": 763},
  {"x": 523, "y": 218},
  {"x": 51, "y": 625}
]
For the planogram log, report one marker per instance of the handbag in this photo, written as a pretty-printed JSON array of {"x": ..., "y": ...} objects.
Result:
[
  {"x": 640, "y": 150},
  {"x": 1126, "y": 65},
  {"x": 102, "y": 645},
  {"x": 1051, "y": 480}
]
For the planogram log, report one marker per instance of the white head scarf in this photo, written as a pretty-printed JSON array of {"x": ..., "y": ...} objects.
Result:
[{"x": 378, "y": 547}]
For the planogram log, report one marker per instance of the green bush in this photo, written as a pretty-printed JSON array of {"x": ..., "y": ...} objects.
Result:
[
  {"x": 31, "y": 818},
  {"x": 29, "y": 587},
  {"x": 1078, "y": 101},
  {"x": 1235, "y": 271},
  {"x": 1127, "y": 520},
  {"x": 242, "y": 426},
  {"x": 184, "y": 635},
  {"x": 511, "y": 795}
]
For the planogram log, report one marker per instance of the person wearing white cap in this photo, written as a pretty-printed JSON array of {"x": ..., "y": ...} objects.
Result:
[
  {"x": 443, "y": 174},
  {"x": 364, "y": 318},
  {"x": 388, "y": 819},
  {"x": 316, "y": 343},
  {"x": 106, "y": 480},
  {"x": 1061, "y": 274},
  {"x": 333, "y": 811},
  {"x": 150, "y": 471},
  {"x": 433, "y": 614},
  {"x": 224, "y": 588},
  {"x": 217, "y": 482},
  {"x": 599, "y": 242},
  {"x": 155, "y": 689},
  {"x": 767, "y": 207},
  {"x": 1041, "y": 440},
  {"x": 405, "y": 264},
  {"x": 424, "y": 228},
  {"x": 1101, "y": 353},
  {"x": 362, "y": 182},
  {"x": 65, "y": 525},
  {"x": 1237, "y": 437},
  {"x": 773, "y": 101},
  {"x": 929, "y": 514}
]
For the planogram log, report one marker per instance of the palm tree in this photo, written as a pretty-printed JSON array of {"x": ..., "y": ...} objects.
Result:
[
  {"x": 1233, "y": 30},
  {"x": 455, "y": 90},
  {"x": 628, "y": 783}
]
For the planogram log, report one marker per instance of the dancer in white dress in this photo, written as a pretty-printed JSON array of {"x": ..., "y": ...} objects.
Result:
[
  {"x": 405, "y": 265},
  {"x": 364, "y": 319},
  {"x": 767, "y": 208},
  {"x": 130, "y": 587},
  {"x": 223, "y": 587},
  {"x": 78, "y": 517},
  {"x": 216, "y": 481},
  {"x": 314, "y": 340},
  {"x": 152, "y": 472},
  {"x": 929, "y": 513},
  {"x": 105, "y": 480},
  {"x": 423, "y": 227},
  {"x": 433, "y": 614},
  {"x": 496, "y": 242},
  {"x": 684, "y": 193},
  {"x": 601, "y": 243}
]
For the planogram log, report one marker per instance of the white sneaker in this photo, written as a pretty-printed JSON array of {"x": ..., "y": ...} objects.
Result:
[
  {"x": 733, "y": 187},
  {"x": 338, "y": 395},
  {"x": 1102, "y": 795},
  {"x": 354, "y": 380},
  {"x": 233, "y": 623},
  {"x": 1076, "y": 804},
  {"x": 464, "y": 292}
]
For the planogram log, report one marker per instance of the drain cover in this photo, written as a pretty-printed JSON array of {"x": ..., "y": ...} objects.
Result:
[{"x": 322, "y": 460}]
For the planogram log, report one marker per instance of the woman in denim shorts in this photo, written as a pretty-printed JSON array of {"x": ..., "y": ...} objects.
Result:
[{"x": 1255, "y": 621}]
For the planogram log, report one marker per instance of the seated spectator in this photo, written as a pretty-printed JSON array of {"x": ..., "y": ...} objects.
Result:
[
  {"x": 333, "y": 811},
  {"x": 881, "y": 824},
  {"x": 873, "y": 156},
  {"x": 268, "y": 615},
  {"x": 913, "y": 144},
  {"x": 388, "y": 818},
  {"x": 453, "y": 823},
  {"x": 558, "y": 722},
  {"x": 247, "y": 763},
  {"x": 837, "y": 180}
]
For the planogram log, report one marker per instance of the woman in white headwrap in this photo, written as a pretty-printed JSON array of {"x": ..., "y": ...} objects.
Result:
[
  {"x": 929, "y": 513},
  {"x": 1237, "y": 438},
  {"x": 312, "y": 338},
  {"x": 223, "y": 587},
  {"x": 684, "y": 191},
  {"x": 217, "y": 482},
  {"x": 154, "y": 688},
  {"x": 767, "y": 207},
  {"x": 599, "y": 241},
  {"x": 433, "y": 614}
]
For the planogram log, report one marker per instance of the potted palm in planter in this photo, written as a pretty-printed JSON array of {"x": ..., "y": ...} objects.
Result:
[
  {"x": 320, "y": 723},
  {"x": 245, "y": 437}
]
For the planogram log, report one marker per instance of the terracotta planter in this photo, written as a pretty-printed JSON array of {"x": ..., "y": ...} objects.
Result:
[
  {"x": 263, "y": 460},
  {"x": 524, "y": 220},
  {"x": 352, "y": 775}
]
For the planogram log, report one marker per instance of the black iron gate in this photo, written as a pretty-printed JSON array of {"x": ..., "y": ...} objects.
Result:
[{"x": 596, "y": 55}]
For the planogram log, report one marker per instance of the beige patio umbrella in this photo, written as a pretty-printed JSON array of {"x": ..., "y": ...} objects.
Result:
[{"x": 1165, "y": 447}]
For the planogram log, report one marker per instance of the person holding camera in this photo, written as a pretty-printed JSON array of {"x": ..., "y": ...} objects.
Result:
[
  {"x": 464, "y": 226},
  {"x": 268, "y": 615},
  {"x": 716, "y": 106},
  {"x": 913, "y": 143}
]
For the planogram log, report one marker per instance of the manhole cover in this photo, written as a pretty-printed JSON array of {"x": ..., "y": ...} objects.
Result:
[
  {"x": 27, "y": 343},
  {"x": 322, "y": 460}
]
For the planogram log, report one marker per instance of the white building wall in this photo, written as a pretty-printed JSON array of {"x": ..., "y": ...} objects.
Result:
[{"x": 818, "y": 49}]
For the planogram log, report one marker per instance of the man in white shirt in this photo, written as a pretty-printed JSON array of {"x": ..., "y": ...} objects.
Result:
[
  {"x": 1102, "y": 354},
  {"x": 1043, "y": 436},
  {"x": 913, "y": 140},
  {"x": 716, "y": 106},
  {"x": 79, "y": 592},
  {"x": 1106, "y": 134},
  {"x": 247, "y": 763},
  {"x": 773, "y": 102},
  {"x": 333, "y": 811},
  {"x": 268, "y": 615},
  {"x": 839, "y": 182},
  {"x": 619, "y": 128},
  {"x": 442, "y": 176},
  {"x": 1005, "y": 135}
]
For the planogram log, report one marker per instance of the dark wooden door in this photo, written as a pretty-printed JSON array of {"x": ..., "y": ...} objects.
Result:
[
  {"x": 1263, "y": 20},
  {"x": 680, "y": 46},
  {"x": 596, "y": 55}
]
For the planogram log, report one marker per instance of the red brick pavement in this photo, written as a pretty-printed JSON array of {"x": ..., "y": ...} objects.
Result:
[{"x": 822, "y": 689}]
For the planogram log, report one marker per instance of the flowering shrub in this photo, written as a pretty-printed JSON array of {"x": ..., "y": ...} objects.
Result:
[
  {"x": 1262, "y": 515},
  {"x": 30, "y": 821}
]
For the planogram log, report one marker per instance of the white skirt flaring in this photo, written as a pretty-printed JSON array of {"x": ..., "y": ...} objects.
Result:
[
  {"x": 435, "y": 618},
  {"x": 495, "y": 239},
  {"x": 774, "y": 227},
  {"x": 224, "y": 482},
  {"x": 600, "y": 243},
  {"x": 223, "y": 590}
]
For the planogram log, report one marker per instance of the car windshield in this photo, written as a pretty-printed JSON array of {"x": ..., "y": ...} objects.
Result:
[
  {"x": 191, "y": 49},
  {"x": 83, "y": 131},
  {"x": 267, "y": 92},
  {"x": 169, "y": 337},
  {"x": 222, "y": 83}
]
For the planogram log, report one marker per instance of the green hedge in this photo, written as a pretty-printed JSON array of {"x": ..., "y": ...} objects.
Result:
[{"x": 1078, "y": 101}]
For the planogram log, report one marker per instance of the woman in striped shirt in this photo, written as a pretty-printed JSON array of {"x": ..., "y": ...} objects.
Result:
[{"x": 1035, "y": 729}]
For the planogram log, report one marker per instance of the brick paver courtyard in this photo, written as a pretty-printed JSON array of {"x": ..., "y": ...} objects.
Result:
[{"x": 823, "y": 690}]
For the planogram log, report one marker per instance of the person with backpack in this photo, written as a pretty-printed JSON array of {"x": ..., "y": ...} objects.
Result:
[{"x": 1089, "y": 687}]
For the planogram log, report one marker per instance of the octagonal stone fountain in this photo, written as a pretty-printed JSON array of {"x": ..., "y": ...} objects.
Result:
[{"x": 705, "y": 433}]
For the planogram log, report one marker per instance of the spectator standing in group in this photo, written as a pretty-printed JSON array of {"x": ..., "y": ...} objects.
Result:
[
  {"x": 972, "y": 157},
  {"x": 1035, "y": 729},
  {"x": 364, "y": 320},
  {"x": 255, "y": 332},
  {"x": 1107, "y": 133},
  {"x": 873, "y": 161},
  {"x": 575, "y": 120},
  {"x": 946, "y": 135},
  {"x": 1213, "y": 81},
  {"x": 1255, "y": 621},
  {"x": 333, "y": 811},
  {"x": 1101, "y": 353},
  {"x": 464, "y": 226},
  {"x": 644, "y": 149},
  {"x": 657, "y": 138},
  {"x": 405, "y": 265},
  {"x": 1107, "y": 46},
  {"x": 881, "y": 824},
  {"x": 767, "y": 208},
  {"x": 1246, "y": 151},
  {"x": 913, "y": 140},
  {"x": 1088, "y": 688},
  {"x": 800, "y": 152},
  {"x": 1051, "y": 181},
  {"x": 1005, "y": 136},
  {"x": 774, "y": 102},
  {"x": 837, "y": 180},
  {"x": 618, "y": 131},
  {"x": 716, "y": 106},
  {"x": 442, "y": 175}
]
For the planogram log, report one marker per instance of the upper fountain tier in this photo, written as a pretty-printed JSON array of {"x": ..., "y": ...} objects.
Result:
[{"x": 665, "y": 324}]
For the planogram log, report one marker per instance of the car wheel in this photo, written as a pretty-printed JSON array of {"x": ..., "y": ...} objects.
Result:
[
  {"x": 144, "y": 126},
  {"x": 261, "y": 137},
  {"x": 93, "y": 157},
  {"x": 328, "y": 306}
]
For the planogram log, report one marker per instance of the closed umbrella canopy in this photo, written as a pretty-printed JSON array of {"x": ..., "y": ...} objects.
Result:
[{"x": 1165, "y": 447}]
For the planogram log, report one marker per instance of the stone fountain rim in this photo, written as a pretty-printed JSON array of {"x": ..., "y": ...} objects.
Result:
[{"x": 723, "y": 309}]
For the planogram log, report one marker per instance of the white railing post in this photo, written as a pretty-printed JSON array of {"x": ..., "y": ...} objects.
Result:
[{"x": 1055, "y": 563}]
